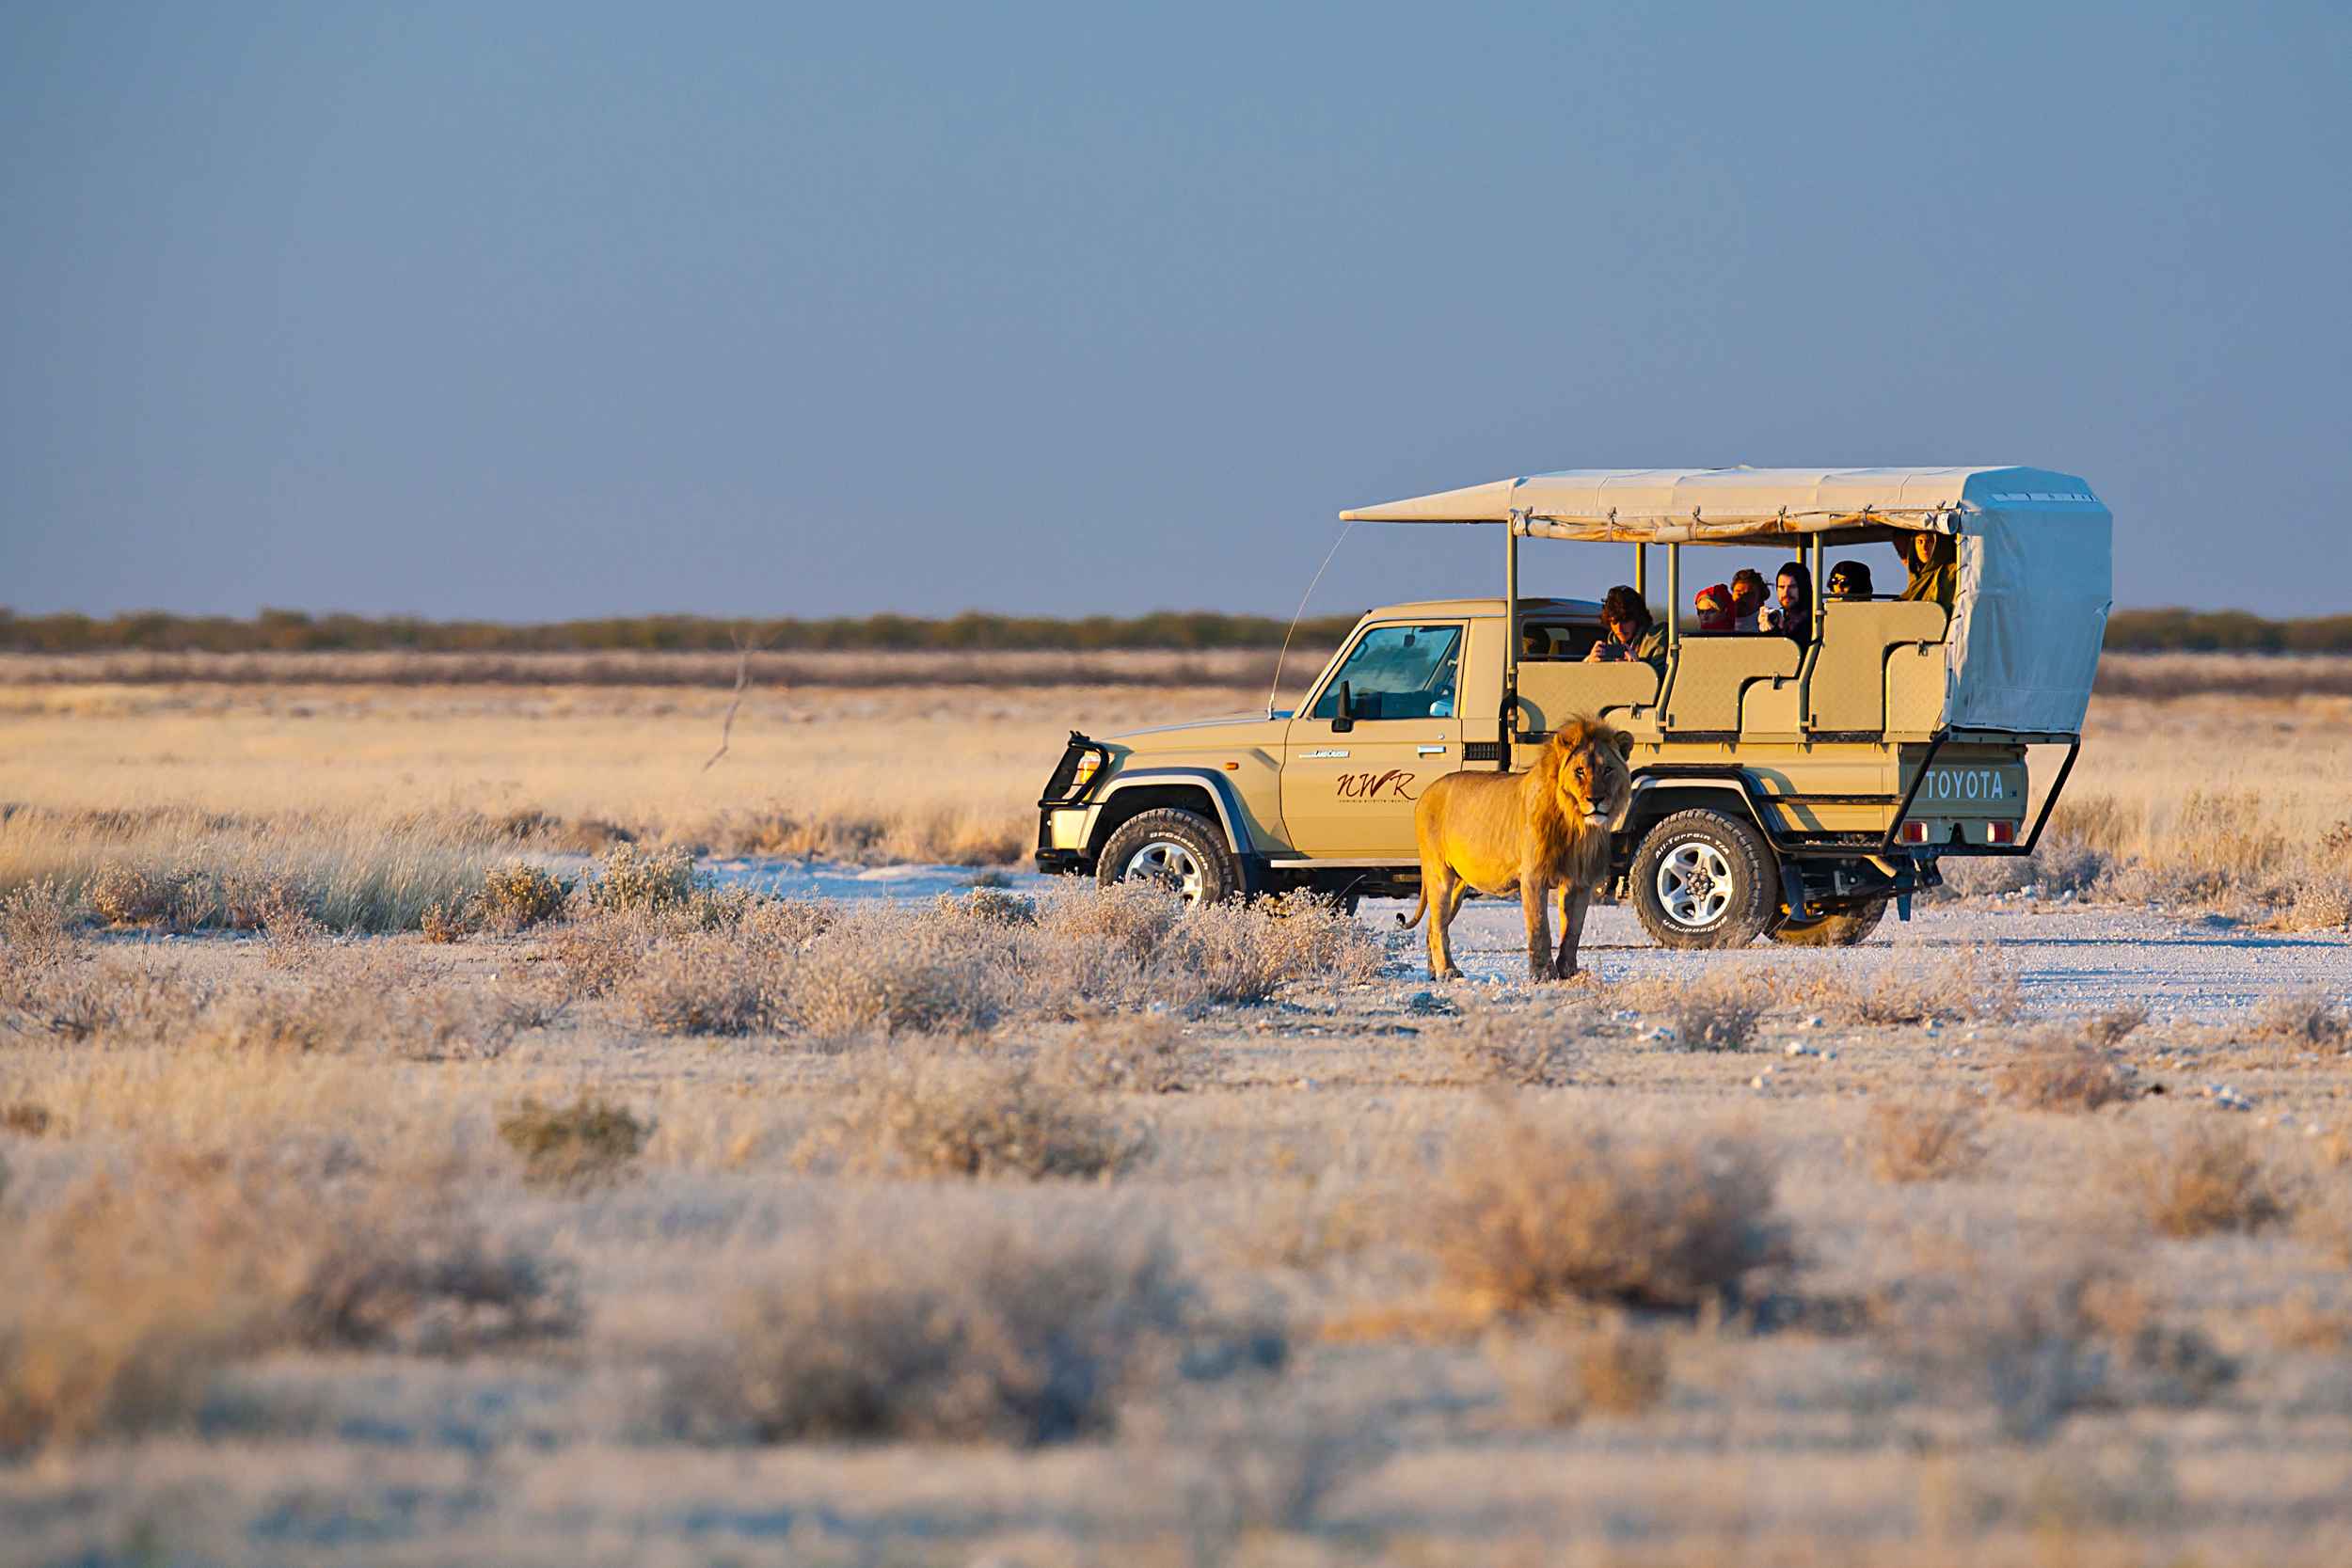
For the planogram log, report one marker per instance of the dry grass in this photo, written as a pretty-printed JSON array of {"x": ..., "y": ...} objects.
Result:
[
  {"x": 975, "y": 1334},
  {"x": 1128, "y": 1054},
  {"x": 942, "y": 1114},
  {"x": 1525, "y": 1216},
  {"x": 1719, "y": 1013},
  {"x": 1924, "y": 1140},
  {"x": 2054, "y": 1072},
  {"x": 2204, "y": 1179},
  {"x": 2040, "y": 1342},
  {"x": 2311, "y": 1019},
  {"x": 1530, "y": 1048},
  {"x": 1559, "y": 1374},
  {"x": 590, "y": 1143},
  {"x": 129, "y": 1290}
]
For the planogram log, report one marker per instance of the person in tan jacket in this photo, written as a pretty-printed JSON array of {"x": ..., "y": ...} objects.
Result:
[{"x": 1934, "y": 563}]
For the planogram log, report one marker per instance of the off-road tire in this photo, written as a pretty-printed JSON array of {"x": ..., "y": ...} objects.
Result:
[
  {"x": 1180, "y": 835},
  {"x": 1736, "y": 861},
  {"x": 1846, "y": 929}
]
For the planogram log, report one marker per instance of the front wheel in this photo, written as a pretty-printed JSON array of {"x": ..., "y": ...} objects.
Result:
[
  {"x": 1181, "y": 850},
  {"x": 1845, "y": 929},
  {"x": 1703, "y": 879}
]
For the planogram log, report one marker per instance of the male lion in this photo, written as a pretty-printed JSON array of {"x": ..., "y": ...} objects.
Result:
[{"x": 1536, "y": 831}]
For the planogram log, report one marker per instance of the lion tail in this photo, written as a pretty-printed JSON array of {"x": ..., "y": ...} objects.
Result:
[{"x": 1419, "y": 909}]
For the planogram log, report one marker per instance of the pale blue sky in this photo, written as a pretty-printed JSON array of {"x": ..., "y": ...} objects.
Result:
[{"x": 530, "y": 310}]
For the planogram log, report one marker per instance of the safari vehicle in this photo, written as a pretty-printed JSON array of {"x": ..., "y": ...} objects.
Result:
[{"x": 1777, "y": 791}]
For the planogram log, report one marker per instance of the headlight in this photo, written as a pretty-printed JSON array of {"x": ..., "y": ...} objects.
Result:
[{"x": 1088, "y": 766}]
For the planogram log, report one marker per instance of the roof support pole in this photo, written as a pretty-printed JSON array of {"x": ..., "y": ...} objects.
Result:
[
  {"x": 1815, "y": 608},
  {"x": 1509, "y": 718},
  {"x": 1673, "y": 597},
  {"x": 1640, "y": 571}
]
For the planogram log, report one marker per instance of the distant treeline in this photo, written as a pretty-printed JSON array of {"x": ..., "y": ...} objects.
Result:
[
  {"x": 2234, "y": 631},
  {"x": 291, "y": 632}
]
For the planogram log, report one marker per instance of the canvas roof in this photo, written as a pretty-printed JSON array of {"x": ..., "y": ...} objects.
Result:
[{"x": 1726, "y": 506}]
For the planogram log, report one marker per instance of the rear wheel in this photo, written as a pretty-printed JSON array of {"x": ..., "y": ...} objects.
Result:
[
  {"x": 1181, "y": 850},
  {"x": 1844, "y": 929},
  {"x": 1703, "y": 879}
]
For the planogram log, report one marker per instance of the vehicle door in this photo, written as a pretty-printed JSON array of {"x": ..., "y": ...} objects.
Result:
[{"x": 1350, "y": 779}]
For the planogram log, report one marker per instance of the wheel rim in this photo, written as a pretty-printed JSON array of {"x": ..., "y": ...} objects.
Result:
[
  {"x": 1695, "y": 884},
  {"x": 1167, "y": 862}
]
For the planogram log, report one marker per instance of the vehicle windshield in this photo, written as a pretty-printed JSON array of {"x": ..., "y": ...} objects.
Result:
[{"x": 1397, "y": 673}]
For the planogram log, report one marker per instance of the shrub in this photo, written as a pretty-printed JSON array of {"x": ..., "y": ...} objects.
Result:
[
  {"x": 631, "y": 877},
  {"x": 586, "y": 1144},
  {"x": 2040, "y": 1344},
  {"x": 1528, "y": 1217},
  {"x": 985, "y": 1334},
  {"x": 1133, "y": 1052},
  {"x": 1554, "y": 1378},
  {"x": 702, "y": 984},
  {"x": 1910, "y": 989},
  {"x": 24, "y": 1119},
  {"x": 870, "y": 975},
  {"x": 2202, "y": 1180},
  {"x": 1925, "y": 1141},
  {"x": 127, "y": 895},
  {"x": 1535, "y": 1048},
  {"x": 2321, "y": 904},
  {"x": 36, "y": 928},
  {"x": 518, "y": 895},
  {"x": 963, "y": 1115},
  {"x": 2055, "y": 1074},
  {"x": 1715, "y": 1014},
  {"x": 130, "y": 1291},
  {"x": 2309, "y": 1017}
]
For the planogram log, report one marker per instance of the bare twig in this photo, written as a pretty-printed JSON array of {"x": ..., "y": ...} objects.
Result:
[{"x": 743, "y": 652}]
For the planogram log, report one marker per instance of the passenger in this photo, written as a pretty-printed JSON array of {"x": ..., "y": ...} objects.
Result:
[
  {"x": 1934, "y": 563},
  {"x": 1633, "y": 634},
  {"x": 1849, "y": 579},
  {"x": 1793, "y": 617},
  {"x": 1714, "y": 610},
  {"x": 1747, "y": 599}
]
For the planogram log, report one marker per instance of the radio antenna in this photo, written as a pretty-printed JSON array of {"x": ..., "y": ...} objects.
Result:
[{"x": 1275, "y": 690}]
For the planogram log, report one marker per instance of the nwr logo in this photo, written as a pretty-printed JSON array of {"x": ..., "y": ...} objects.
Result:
[{"x": 1394, "y": 784}]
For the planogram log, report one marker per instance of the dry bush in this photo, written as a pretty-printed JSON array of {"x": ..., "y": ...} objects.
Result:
[
  {"x": 1925, "y": 1140},
  {"x": 128, "y": 895},
  {"x": 971, "y": 1334},
  {"x": 1247, "y": 952},
  {"x": 1912, "y": 989},
  {"x": 24, "y": 1119},
  {"x": 2301, "y": 1322},
  {"x": 1127, "y": 1054},
  {"x": 1131, "y": 918},
  {"x": 2309, "y": 1017},
  {"x": 1526, "y": 1216},
  {"x": 952, "y": 1115},
  {"x": 2054, "y": 1072},
  {"x": 518, "y": 894},
  {"x": 2321, "y": 904},
  {"x": 36, "y": 928},
  {"x": 630, "y": 878},
  {"x": 339, "y": 1012},
  {"x": 2040, "y": 1343},
  {"x": 878, "y": 974},
  {"x": 702, "y": 984},
  {"x": 130, "y": 1289},
  {"x": 1560, "y": 1373},
  {"x": 1536, "y": 1048},
  {"x": 2204, "y": 1179},
  {"x": 589, "y": 1143},
  {"x": 114, "y": 996},
  {"x": 2112, "y": 1028},
  {"x": 1719, "y": 1013}
]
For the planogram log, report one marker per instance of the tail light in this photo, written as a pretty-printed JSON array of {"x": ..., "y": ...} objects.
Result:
[
  {"x": 2000, "y": 832},
  {"x": 1915, "y": 833}
]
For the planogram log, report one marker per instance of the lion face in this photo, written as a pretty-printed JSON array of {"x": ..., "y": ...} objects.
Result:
[{"x": 1594, "y": 785}]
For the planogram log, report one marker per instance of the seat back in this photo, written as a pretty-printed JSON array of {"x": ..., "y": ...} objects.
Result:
[
  {"x": 1711, "y": 673},
  {"x": 1551, "y": 694},
  {"x": 1848, "y": 691}
]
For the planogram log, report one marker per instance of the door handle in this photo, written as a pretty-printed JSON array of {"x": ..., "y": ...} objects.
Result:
[{"x": 1430, "y": 751}]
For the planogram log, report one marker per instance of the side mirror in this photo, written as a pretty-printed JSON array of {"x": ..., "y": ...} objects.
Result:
[{"x": 1345, "y": 718}]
